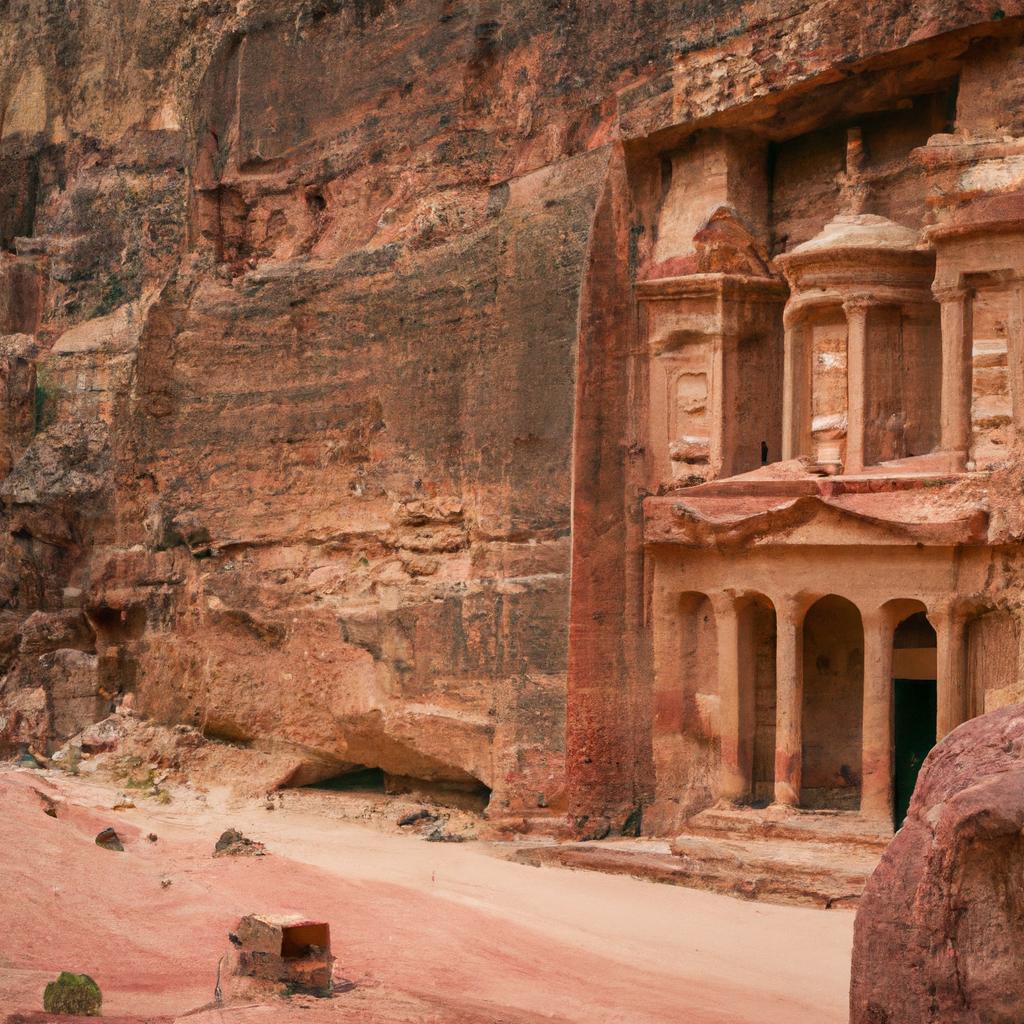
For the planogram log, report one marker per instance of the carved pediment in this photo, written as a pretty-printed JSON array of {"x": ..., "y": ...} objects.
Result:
[
  {"x": 725, "y": 245},
  {"x": 807, "y": 520}
]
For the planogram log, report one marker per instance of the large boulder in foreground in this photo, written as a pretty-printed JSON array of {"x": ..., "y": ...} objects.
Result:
[{"x": 939, "y": 934}]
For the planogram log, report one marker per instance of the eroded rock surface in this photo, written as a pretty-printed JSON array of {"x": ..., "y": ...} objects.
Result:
[
  {"x": 319, "y": 358},
  {"x": 940, "y": 929}
]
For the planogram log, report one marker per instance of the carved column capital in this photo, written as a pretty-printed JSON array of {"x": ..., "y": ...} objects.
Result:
[
  {"x": 952, "y": 293},
  {"x": 876, "y": 618},
  {"x": 724, "y": 602},
  {"x": 859, "y": 304},
  {"x": 791, "y": 608},
  {"x": 944, "y": 614}
]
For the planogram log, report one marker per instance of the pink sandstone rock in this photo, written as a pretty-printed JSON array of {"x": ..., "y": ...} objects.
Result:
[{"x": 939, "y": 934}]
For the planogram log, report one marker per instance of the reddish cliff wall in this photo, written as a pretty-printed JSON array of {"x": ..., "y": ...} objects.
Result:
[{"x": 319, "y": 360}]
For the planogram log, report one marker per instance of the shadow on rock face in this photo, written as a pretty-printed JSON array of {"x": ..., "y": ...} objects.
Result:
[{"x": 939, "y": 935}]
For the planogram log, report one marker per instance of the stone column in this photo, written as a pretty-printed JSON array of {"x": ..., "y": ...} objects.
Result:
[
  {"x": 951, "y": 668},
  {"x": 717, "y": 405},
  {"x": 877, "y": 722},
  {"x": 856, "y": 310},
  {"x": 957, "y": 368},
  {"x": 794, "y": 392},
  {"x": 789, "y": 696},
  {"x": 1015, "y": 356},
  {"x": 733, "y": 774}
]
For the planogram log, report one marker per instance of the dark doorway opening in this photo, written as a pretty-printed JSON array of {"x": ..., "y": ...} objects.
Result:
[{"x": 915, "y": 706}]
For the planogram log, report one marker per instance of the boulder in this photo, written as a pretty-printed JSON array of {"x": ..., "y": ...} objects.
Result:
[
  {"x": 110, "y": 840},
  {"x": 24, "y": 720},
  {"x": 939, "y": 933}
]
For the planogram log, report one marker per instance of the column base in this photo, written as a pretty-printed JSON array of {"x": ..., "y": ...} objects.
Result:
[
  {"x": 732, "y": 785},
  {"x": 955, "y": 461},
  {"x": 785, "y": 795}
]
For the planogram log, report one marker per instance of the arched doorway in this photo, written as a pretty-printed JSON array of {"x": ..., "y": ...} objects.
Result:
[
  {"x": 914, "y": 705},
  {"x": 833, "y": 701}
]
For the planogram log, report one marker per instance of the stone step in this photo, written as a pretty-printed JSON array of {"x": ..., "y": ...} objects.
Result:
[
  {"x": 830, "y": 828},
  {"x": 776, "y": 870},
  {"x": 779, "y": 870}
]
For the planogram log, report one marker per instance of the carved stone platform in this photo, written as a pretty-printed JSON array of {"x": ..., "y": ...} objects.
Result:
[{"x": 811, "y": 858}]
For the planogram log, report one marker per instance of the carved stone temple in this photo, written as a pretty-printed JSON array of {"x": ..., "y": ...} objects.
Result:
[{"x": 830, "y": 381}]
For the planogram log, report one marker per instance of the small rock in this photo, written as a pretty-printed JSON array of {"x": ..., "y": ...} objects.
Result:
[
  {"x": 110, "y": 840},
  {"x": 48, "y": 803},
  {"x": 165, "y": 883},
  {"x": 233, "y": 844},
  {"x": 27, "y": 760},
  {"x": 152, "y": 837},
  {"x": 102, "y": 736},
  {"x": 123, "y": 802},
  {"x": 421, "y": 815},
  {"x": 440, "y": 836},
  {"x": 68, "y": 758}
]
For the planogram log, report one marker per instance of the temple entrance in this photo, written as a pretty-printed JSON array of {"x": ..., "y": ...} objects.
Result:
[
  {"x": 915, "y": 705},
  {"x": 915, "y": 701},
  {"x": 833, "y": 702}
]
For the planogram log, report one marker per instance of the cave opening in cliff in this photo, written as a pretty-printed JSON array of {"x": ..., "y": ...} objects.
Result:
[
  {"x": 359, "y": 779},
  {"x": 467, "y": 793},
  {"x": 117, "y": 624}
]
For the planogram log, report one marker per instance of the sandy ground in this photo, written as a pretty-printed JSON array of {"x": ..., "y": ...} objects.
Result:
[{"x": 429, "y": 932}]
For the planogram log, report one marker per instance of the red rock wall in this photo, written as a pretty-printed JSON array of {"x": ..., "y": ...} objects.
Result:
[{"x": 331, "y": 431}]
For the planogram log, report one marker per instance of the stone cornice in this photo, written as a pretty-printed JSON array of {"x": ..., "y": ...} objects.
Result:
[{"x": 728, "y": 286}]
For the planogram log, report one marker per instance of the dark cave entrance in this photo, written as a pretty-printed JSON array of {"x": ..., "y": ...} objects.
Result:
[{"x": 468, "y": 794}]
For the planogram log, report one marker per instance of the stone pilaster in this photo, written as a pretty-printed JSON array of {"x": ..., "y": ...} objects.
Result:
[
  {"x": 789, "y": 682},
  {"x": 877, "y": 721},
  {"x": 957, "y": 367}
]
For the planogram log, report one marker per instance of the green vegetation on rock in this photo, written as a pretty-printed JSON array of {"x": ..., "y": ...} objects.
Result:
[{"x": 73, "y": 993}]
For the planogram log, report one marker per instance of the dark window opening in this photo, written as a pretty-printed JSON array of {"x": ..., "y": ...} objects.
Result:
[
  {"x": 316, "y": 202},
  {"x": 113, "y": 624}
]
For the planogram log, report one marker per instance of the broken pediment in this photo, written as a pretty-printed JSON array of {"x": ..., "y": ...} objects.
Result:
[
  {"x": 810, "y": 520},
  {"x": 725, "y": 245}
]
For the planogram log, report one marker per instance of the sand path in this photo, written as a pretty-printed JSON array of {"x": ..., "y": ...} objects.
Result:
[{"x": 448, "y": 926}]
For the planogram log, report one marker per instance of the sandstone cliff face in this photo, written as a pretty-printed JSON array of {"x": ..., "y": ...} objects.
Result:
[
  {"x": 316, "y": 336},
  {"x": 939, "y": 934}
]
